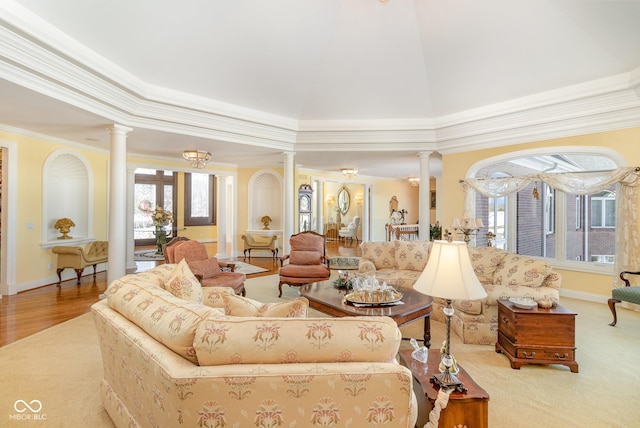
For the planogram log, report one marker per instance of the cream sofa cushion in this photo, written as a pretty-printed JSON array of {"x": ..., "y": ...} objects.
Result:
[
  {"x": 412, "y": 255},
  {"x": 168, "y": 319},
  {"x": 250, "y": 340},
  {"x": 182, "y": 283},
  {"x": 485, "y": 261},
  {"x": 239, "y": 306},
  {"x": 381, "y": 254},
  {"x": 521, "y": 270}
]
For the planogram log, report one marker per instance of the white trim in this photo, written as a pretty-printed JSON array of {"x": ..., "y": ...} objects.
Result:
[{"x": 9, "y": 218}]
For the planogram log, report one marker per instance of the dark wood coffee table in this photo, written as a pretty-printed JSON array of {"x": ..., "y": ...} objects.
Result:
[{"x": 326, "y": 298}]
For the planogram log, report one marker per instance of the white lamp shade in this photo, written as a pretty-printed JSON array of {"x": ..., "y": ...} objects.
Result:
[{"x": 449, "y": 274}]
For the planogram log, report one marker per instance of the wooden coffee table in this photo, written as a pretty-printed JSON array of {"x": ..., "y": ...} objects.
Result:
[
  {"x": 464, "y": 409},
  {"x": 325, "y": 297}
]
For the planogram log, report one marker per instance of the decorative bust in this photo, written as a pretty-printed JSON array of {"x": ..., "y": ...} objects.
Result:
[
  {"x": 265, "y": 222},
  {"x": 64, "y": 226}
]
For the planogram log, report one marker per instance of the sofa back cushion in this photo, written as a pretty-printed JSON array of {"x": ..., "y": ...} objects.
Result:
[
  {"x": 485, "y": 261},
  {"x": 168, "y": 319},
  {"x": 183, "y": 284},
  {"x": 206, "y": 268},
  {"x": 381, "y": 254},
  {"x": 190, "y": 251},
  {"x": 412, "y": 255},
  {"x": 250, "y": 340},
  {"x": 516, "y": 269},
  {"x": 305, "y": 257}
]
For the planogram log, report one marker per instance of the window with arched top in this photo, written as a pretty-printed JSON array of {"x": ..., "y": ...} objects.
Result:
[
  {"x": 542, "y": 200},
  {"x": 67, "y": 192}
]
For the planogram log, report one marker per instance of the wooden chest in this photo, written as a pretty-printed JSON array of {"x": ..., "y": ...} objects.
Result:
[{"x": 536, "y": 336}]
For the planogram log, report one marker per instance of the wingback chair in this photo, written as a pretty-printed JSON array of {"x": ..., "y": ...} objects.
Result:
[
  {"x": 350, "y": 231},
  {"x": 207, "y": 269},
  {"x": 628, "y": 293},
  {"x": 78, "y": 257},
  {"x": 306, "y": 262}
]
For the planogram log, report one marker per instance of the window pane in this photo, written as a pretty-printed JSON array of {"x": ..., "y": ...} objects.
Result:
[
  {"x": 145, "y": 201},
  {"x": 200, "y": 195},
  {"x": 596, "y": 243},
  {"x": 596, "y": 212},
  {"x": 609, "y": 213}
]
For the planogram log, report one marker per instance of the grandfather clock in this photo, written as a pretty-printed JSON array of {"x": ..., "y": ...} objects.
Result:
[{"x": 304, "y": 207}]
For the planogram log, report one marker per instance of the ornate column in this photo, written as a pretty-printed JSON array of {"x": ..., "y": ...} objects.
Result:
[
  {"x": 131, "y": 246},
  {"x": 117, "y": 202},
  {"x": 366, "y": 211},
  {"x": 289, "y": 197},
  {"x": 319, "y": 205},
  {"x": 424, "y": 201},
  {"x": 221, "y": 218}
]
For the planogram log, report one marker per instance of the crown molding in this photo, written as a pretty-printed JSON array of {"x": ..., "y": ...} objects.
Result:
[{"x": 37, "y": 56}]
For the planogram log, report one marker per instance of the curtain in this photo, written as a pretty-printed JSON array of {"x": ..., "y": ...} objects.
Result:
[{"x": 626, "y": 179}]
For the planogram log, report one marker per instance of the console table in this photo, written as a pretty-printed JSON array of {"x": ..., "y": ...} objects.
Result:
[
  {"x": 466, "y": 409},
  {"x": 536, "y": 336}
]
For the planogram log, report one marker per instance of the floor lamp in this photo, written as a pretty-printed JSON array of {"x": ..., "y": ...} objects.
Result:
[{"x": 450, "y": 276}]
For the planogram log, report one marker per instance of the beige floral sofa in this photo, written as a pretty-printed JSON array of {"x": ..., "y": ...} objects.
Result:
[
  {"x": 198, "y": 356},
  {"x": 503, "y": 275}
]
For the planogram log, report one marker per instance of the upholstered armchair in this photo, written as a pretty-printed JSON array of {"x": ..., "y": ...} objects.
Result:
[
  {"x": 257, "y": 242},
  {"x": 306, "y": 262},
  {"x": 208, "y": 270},
  {"x": 79, "y": 257},
  {"x": 350, "y": 231},
  {"x": 628, "y": 293}
]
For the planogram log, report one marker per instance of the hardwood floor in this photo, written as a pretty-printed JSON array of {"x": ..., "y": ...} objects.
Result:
[{"x": 29, "y": 312}]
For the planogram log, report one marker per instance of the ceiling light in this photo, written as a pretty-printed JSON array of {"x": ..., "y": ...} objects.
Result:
[
  {"x": 197, "y": 158},
  {"x": 349, "y": 172},
  {"x": 415, "y": 181}
]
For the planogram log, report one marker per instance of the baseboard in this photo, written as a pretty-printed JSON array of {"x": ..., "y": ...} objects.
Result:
[{"x": 581, "y": 295}]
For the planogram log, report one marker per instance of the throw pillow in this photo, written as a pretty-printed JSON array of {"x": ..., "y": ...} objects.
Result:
[
  {"x": 521, "y": 270},
  {"x": 183, "y": 284},
  {"x": 305, "y": 258},
  {"x": 239, "y": 306},
  {"x": 205, "y": 268}
]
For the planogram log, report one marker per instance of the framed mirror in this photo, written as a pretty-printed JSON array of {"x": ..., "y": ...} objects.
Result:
[{"x": 344, "y": 200}]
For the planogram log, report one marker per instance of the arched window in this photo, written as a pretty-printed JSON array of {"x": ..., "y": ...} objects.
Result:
[{"x": 540, "y": 219}]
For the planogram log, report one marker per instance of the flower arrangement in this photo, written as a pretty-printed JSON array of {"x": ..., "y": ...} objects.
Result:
[
  {"x": 64, "y": 226},
  {"x": 343, "y": 280},
  {"x": 161, "y": 217}
]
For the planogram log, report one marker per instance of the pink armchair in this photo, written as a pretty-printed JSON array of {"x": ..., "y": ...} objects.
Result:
[
  {"x": 207, "y": 269},
  {"x": 307, "y": 261}
]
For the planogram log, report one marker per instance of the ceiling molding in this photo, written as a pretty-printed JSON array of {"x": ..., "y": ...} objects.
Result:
[{"x": 37, "y": 56}]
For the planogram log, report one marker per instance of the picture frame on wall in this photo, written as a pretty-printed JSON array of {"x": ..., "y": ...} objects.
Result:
[{"x": 433, "y": 199}]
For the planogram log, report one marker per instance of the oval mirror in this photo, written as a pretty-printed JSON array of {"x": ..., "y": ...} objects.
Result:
[{"x": 344, "y": 199}]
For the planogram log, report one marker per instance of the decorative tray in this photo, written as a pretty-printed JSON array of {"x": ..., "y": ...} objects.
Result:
[
  {"x": 523, "y": 303},
  {"x": 373, "y": 298}
]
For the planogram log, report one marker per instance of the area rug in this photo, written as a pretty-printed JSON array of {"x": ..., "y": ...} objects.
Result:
[
  {"x": 147, "y": 255},
  {"x": 344, "y": 263}
]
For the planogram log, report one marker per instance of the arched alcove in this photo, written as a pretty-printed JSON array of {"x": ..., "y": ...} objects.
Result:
[
  {"x": 265, "y": 198},
  {"x": 67, "y": 192}
]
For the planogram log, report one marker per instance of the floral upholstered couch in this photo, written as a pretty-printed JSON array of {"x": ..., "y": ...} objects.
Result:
[
  {"x": 199, "y": 357},
  {"x": 502, "y": 274}
]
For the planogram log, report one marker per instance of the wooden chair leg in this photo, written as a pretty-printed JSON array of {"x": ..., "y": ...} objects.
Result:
[
  {"x": 612, "y": 305},
  {"x": 59, "y": 272},
  {"x": 79, "y": 273},
  {"x": 280, "y": 289}
]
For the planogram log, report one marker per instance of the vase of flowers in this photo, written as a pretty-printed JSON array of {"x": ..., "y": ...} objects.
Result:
[{"x": 161, "y": 218}]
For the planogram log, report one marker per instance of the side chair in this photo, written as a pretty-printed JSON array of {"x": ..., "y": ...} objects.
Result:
[
  {"x": 307, "y": 261},
  {"x": 627, "y": 293}
]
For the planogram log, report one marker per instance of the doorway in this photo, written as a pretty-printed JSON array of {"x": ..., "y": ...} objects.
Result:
[{"x": 152, "y": 188}]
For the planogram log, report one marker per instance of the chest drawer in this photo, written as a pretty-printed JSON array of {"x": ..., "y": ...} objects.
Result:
[{"x": 549, "y": 327}]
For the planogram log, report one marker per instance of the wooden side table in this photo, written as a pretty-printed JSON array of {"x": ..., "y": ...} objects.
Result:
[
  {"x": 536, "y": 336},
  {"x": 470, "y": 409}
]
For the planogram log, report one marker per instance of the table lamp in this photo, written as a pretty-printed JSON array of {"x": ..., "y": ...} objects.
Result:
[{"x": 450, "y": 276}]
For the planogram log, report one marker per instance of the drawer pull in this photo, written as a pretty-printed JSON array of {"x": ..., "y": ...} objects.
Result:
[
  {"x": 505, "y": 320},
  {"x": 524, "y": 354},
  {"x": 564, "y": 357}
]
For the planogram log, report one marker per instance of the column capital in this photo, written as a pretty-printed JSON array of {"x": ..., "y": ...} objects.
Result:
[
  {"x": 117, "y": 129},
  {"x": 423, "y": 155}
]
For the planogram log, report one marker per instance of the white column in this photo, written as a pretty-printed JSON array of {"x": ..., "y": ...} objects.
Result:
[
  {"x": 424, "y": 200},
  {"x": 319, "y": 206},
  {"x": 366, "y": 213},
  {"x": 117, "y": 202},
  {"x": 221, "y": 218},
  {"x": 131, "y": 184},
  {"x": 289, "y": 196}
]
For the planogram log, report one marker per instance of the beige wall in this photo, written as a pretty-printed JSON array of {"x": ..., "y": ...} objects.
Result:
[{"x": 455, "y": 167}]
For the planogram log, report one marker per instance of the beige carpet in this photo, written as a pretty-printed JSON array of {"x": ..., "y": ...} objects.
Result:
[{"x": 61, "y": 367}]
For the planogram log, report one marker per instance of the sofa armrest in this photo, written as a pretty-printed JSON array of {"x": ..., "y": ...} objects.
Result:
[
  {"x": 366, "y": 266},
  {"x": 67, "y": 250}
]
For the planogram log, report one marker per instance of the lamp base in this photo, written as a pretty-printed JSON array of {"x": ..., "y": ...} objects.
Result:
[{"x": 447, "y": 380}]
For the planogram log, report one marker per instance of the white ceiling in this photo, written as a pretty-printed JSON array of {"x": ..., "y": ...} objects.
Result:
[{"x": 343, "y": 83}]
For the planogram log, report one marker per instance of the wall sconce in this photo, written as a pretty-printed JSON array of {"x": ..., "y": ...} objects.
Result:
[
  {"x": 414, "y": 181},
  {"x": 358, "y": 198},
  {"x": 197, "y": 158}
]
